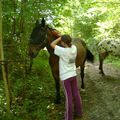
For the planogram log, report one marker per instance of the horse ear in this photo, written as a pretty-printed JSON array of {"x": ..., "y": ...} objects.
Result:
[
  {"x": 37, "y": 22},
  {"x": 43, "y": 22}
]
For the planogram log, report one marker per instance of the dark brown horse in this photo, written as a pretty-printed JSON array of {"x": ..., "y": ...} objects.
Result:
[{"x": 41, "y": 37}]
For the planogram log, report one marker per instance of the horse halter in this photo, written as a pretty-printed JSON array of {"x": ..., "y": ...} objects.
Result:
[
  {"x": 46, "y": 35},
  {"x": 44, "y": 41}
]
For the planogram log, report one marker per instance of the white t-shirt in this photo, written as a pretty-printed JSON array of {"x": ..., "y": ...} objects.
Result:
[{"x": 67, "y": 65}]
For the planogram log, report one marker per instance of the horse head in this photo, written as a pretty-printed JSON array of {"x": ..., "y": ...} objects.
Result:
[
  {"x": 37, "y": 38},
  {"x": 41, "y": 36}
]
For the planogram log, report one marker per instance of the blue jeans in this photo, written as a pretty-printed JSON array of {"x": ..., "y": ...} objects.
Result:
[{"x": 72, "y": 98}]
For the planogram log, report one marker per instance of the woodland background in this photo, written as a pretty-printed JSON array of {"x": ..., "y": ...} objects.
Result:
[{"x": 92, "y": 20}]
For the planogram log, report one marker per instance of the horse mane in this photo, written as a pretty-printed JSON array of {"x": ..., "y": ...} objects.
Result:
[{"x": 55, "y": 32}]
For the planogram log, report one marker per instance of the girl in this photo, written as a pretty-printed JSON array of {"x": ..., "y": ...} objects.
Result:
[{"x": 67, "y": 54}]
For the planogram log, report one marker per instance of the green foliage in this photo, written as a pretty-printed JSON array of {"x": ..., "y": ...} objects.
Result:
[{"x": 86, "y": 19}]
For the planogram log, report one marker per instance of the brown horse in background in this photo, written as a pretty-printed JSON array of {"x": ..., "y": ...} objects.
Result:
[{"x": 41, "y": 37}]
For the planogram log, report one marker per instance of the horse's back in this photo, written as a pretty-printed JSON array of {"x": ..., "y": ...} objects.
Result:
[
  {"x": 111, "y": 46},
  {"x": 81, "y": 51}
]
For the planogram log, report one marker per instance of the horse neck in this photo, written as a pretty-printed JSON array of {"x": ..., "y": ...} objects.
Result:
[{"x": 51, "y": 36}]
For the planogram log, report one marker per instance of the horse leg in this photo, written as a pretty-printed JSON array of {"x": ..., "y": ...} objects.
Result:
[
  {"x": 102, "y": 56},
  {"x": 101, "y": 65},
  {"x": 54, "y": 64},
  {"x": 57, "y": 86},
  {"x": 82, "y": 77}
]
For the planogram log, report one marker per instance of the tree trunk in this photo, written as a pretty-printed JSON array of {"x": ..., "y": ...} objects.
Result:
[{"x": 4, "y": 74}]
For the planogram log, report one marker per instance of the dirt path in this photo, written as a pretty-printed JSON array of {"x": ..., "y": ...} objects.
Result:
[{"x": 101, "y": 100}]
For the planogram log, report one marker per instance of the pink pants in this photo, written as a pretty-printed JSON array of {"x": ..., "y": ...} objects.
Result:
[{"x": 72, "y": 98}]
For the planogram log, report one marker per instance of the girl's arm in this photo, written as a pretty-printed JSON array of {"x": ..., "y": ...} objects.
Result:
[{"x": 55, "y": 42}]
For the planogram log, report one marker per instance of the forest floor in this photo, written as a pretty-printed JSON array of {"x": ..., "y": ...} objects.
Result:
[
  {"x": 35, "y": 94},
  {"x": 101, "y": 98}
]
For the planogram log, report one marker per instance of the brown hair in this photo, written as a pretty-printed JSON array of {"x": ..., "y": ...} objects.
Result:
[{"x": 66, "y": 39}]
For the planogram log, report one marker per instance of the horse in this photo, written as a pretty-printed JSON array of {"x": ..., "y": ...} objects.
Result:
[
  {"x": 41, "y": 36},
  {"x": 105, "y": 48}
]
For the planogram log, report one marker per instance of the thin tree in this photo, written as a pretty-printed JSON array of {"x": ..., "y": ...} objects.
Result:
[{"x": 7, "y": 94}]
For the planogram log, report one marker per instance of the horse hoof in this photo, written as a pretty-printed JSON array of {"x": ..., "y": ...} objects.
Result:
[
  {"x": 82, "y": 90},
  {"x": 102, "y": 73}
]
